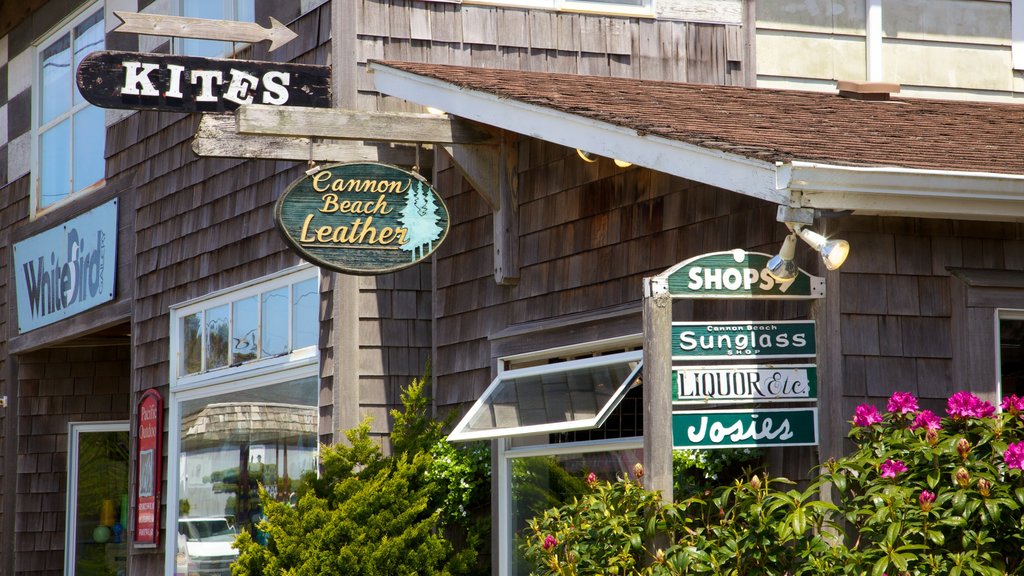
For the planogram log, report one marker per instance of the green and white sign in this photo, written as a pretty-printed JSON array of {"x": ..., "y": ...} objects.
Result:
[
  {"x": 738, "y": 274},
  {"x": 743, "y": 340},
  {"x": 362, "y": 218},
  {"x": 745, "y": 383},
  {"x": 709, "y": 429}
]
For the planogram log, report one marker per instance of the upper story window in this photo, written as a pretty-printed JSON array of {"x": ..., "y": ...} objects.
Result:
[
  {"x": 269, "y": 319},
  {"x": 1011, "y": 352},
  {"x": 69, "y": 132},
  {"x": 236, "y": 10}
]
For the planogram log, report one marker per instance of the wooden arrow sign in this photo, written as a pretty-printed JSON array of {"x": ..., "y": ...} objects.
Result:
[{"x": 204, "y": 29}]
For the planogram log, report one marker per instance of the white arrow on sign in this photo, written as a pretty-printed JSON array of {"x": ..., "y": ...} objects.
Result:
[{"x": 203, "y": 28}]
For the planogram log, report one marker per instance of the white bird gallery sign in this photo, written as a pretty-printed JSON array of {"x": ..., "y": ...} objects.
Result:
[{"x": 66, "y": 269}]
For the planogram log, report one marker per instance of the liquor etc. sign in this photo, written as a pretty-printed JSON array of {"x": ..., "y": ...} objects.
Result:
[
  {"x": 362, "y": 218},
  {"x": 738, "y": 274},
  {"x": 66, "y": 269},
  {"x": 140, "y": 81},
  {"x": 745, "y": 428},
  {"x": 745, "y": 383},
  {"x": 147, "y": 503}
]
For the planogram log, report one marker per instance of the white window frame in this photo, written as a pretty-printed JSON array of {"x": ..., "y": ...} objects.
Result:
[
  {"x": 299, "y": 364},
  {"x": 75, "y": 430},
  {"x": 1017, "y": 33},
  {"x": 1002, "y": 314},
  {"x": 609, "y": 8},
  {"x": 505, "y": 452},
  {"x": 65, "y": 27},
  {"x": 583, "y": 424}
]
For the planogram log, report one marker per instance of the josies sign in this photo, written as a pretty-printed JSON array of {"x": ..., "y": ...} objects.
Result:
[
  {"x": 66, "y": 269},
  {"x": 736, "y": 340},
  {"x": 745, "y": 428},
  {"x": 140, "y": 81},
  {"x": 738, "y": 274},
  {"x": 362, "y": 218},
  {"x": 745, "y": 383}
]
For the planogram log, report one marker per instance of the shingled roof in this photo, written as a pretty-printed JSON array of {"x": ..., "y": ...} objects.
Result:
[
  {"x": 772, "y": 125},
  {"x": 813, "y": 150}
]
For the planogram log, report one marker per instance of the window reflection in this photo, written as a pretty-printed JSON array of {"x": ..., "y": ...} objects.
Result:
[
  {"x": 88, "y": 168},
  {"x": 244, "y": 329},
  {"x": 217, "y": 337},
  {"x": 55, "y": 163},
  {"x": 274, "y": 322},
  {"x": 191, "y": 343},
  {"x": 231, "y": 444},
  {"x": 57, "y": 79},
  {"x": 305, "y": 313},
  {"x": 88, "y": 38}
]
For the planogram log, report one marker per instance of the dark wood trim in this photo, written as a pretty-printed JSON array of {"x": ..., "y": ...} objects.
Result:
[
  {"x": 506, "y": 219},
  {"x": 99, "y": 318},
  {"x": 80, "y": 205}
]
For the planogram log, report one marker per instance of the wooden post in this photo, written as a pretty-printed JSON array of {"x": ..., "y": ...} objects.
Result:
[
  {"x": 657, "y": 315},
  {"x": 506, "y": 219}
]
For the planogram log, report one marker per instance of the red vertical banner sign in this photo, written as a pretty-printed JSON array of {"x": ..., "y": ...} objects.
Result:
[{"x": 147, "y": 502}]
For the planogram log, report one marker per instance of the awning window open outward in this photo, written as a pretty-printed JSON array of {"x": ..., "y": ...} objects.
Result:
[{"x": 573, "y": 395}]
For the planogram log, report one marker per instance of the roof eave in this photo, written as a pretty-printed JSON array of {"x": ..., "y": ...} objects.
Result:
[
  {"x": 894, "y": 191},
  {"x": 890, "y": 191}
]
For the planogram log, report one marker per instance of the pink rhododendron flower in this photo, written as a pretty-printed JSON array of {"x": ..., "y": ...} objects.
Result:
[
  {"x": 1013, "y": 404},
  {"x": 966, "y": 405},
  {"x": 891, "y": 468},
  {"x": 591, "y": 479},
  {"x": 866, "y": 415},
  {"x": 1014, "y": 455},
  {"x": 902, "y": 403},
  {"x": 928, "y": 420},
  {"x": 549, "y": 542},
  {"x": 925, "y": 500}
]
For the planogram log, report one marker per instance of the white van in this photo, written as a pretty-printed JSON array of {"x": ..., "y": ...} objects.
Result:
[{"x": 204, "y": 547}]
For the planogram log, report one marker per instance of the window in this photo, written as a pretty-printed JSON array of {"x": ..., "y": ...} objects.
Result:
[
  {"x": 557, "y": 415},
  {"x": 237, "y": 10},
  {"x": 69, "y": 132},
  {"x": 1011, "y": 352},
  {"x": 1017, "y": 33},
  {"x": 265, "y": 321},
  {"x": 244, "y": 412},
  {"x": 617, "y": 7}
]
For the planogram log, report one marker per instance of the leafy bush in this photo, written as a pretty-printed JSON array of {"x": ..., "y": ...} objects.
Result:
[
  {"x": 368, "y": 514},
  {"x": 920, "y": 495}
]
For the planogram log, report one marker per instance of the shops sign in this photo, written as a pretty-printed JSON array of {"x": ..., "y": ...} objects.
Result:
[
  {"x": 362, "y": 218},
  {"x": 66, "y": 269},
  {"x": 141, "y": 81},
  {"x": 743, "y": 340},
  {"x": 738, "y": 274},
  {"x": 707, "y": 429},
  {"x": 745, "y": 383}
]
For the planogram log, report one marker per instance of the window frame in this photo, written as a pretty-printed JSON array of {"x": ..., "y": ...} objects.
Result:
[
  {"x": 1017, "y": 34},
  {"x": 646, "y": 9},
  {"x": 556, "y": 368},
  {"x": 66, "y": 26},
  {"x": 504, "y": 450},
  {"x": 299, "y": 364},
  {"x": 1000, "y": 315}
]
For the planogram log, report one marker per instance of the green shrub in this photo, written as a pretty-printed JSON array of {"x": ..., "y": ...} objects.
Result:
[
  {"x": 920, "y": 495},
  {"x": 368, "y": 514}
]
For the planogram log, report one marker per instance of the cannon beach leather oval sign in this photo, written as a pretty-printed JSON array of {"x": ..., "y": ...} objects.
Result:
[{"x": 362, "y": 218}]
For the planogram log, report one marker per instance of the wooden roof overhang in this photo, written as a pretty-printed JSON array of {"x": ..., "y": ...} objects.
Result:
[{"x": 799, "y": 150}]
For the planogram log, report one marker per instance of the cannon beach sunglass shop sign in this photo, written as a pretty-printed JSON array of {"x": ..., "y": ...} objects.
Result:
[
  {"x": 362, "y": 218},
  {"x": 67, "y": 269}
]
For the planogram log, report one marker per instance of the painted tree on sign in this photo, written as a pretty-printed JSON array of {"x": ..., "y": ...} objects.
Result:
[{"x": 420, "y": 218}]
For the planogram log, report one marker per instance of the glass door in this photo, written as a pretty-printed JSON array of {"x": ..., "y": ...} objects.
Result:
[{"x": 97, "y": 517}]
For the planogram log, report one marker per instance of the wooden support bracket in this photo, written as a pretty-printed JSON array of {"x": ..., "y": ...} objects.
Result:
[{"x": 493, "y": 171}]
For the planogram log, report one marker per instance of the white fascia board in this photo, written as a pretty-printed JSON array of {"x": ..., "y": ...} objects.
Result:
[
  {"x": 906, "y": 191},
  {"x": 729, "y": 171}
]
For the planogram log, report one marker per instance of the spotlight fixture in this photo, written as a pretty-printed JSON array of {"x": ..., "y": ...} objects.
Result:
[
  {"x": 833, "y": 252},
  {"x": 781, "y": 266},
  {"x": 622, "y": 163},
  {"x": 587, "y": 156}
]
